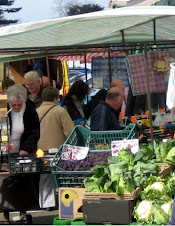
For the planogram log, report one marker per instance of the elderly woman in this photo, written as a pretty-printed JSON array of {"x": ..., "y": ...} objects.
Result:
[
  {"x": 55, "y": 126},
  {"x": 17, "y": 192}
]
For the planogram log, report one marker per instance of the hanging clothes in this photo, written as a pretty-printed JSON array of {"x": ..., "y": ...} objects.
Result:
[
  {"x": 170, "y": 98},
  {"x": 138, "y": 75},
  {"x": 100, "y": 71}
]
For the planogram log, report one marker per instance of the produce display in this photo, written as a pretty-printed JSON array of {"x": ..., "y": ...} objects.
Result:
[
  {"x": 125, "y": 172},
  {"x": 87, "y": 164},
  {"x": 155, "y": 206},
  {"x": 122, "y": 173},
  {"x": 129, "y": 174}
]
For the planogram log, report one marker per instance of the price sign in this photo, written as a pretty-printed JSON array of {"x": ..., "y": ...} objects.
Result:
[
  {"x": 70, "y": 152},
  {"x": 66, "y": 153},
  {"x": 118, "y": 145}
]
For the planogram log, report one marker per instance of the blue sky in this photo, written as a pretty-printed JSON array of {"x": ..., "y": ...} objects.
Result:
[{"x": 36, "y": 10}]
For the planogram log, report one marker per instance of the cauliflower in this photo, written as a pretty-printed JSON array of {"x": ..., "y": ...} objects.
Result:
[
  {"x": 158, "y": 186},
  {"x": 166, "y": 207},
  {"x": 144, "y": 209}
]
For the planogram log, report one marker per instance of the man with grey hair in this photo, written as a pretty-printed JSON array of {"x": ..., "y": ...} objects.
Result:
[
  {"x": 32, "y": 83},
  {"x": 104, "y": 115}
]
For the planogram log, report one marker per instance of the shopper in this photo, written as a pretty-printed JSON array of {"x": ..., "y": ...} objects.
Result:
[
  {"x": 44, "y": 81},
  {"x": 100, "y": 95},
  {"x": 6, "y": 83},
  {"x": 104, "y": 115},
  {"x": 18, "y": 192},
  {"x": 32, "y": 83},
  {"x": 73, "y": 101},
  {"x": 56, "y": 125}
]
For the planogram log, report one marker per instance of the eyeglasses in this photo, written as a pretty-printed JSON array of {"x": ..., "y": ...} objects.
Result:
[{"x": 16, "y": 105}]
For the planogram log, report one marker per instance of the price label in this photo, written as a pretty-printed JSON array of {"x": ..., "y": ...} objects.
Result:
[
  {"x": 118, "y": 145},
  {"x": 71, "y": 152},
  {"x": 66, "y": 153}
]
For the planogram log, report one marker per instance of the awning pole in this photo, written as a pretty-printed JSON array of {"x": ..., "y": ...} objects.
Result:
[
  {"x": 85, "y": 64},
  {"x": 48, "y": 70},
  {"x": 148, "y": 91},
  {"x": 109, "y": 63}
]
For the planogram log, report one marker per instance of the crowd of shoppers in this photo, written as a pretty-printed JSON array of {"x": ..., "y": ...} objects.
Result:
[{"x": 37, "y": 121}]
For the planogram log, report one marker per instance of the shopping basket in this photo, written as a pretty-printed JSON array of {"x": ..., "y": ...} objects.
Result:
[{"x": 80, "y": 136}]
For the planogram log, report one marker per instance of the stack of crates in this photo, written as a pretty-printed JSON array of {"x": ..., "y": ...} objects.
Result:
[{"x": 81, "y": 136}]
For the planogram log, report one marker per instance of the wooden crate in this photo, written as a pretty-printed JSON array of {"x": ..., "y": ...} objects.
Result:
[
  {"x": 127, "y": 196},
  {"x": 165, "y": 169}
]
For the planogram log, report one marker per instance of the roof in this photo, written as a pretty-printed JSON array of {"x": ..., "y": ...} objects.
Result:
[
  {"x": 142, "y": 2},
  {"x": 117, "y": 27}
]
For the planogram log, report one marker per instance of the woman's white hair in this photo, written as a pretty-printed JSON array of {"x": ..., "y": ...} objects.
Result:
[
  {"x": 17, "y": 92},
  {"x": 32, "y": 75}
]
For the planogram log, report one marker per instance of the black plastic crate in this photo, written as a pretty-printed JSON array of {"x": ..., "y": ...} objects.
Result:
[
  {"x": 44, "y": 163},
  {"x": 24, "y": 164}
]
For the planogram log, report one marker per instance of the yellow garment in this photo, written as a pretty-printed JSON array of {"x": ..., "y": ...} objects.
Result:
[
  {"x": 66, "y": 84},
  {"x": 160, "y": 65}
]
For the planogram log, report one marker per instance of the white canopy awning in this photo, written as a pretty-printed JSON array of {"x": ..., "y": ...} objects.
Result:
[{"x": 120, "y": 26}]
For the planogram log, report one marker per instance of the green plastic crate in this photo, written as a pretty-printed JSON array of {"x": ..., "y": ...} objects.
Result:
[
  {"x": 64, "y": 178},
  {"x": 80, "y": 136}
]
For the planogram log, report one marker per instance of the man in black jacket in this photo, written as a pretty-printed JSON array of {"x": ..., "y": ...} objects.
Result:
[
  {"x": 104, "y": 115},
  {"x": 101, "y": 95}
]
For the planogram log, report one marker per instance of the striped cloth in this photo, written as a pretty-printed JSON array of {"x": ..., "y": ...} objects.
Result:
[{"x": 100, "y": 70}]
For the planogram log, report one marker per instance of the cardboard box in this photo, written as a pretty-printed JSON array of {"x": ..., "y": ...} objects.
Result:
[
  {"x": 70, "y": 202},
  {"x": 109, "y": 211}
]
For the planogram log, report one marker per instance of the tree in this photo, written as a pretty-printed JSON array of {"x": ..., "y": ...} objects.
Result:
[
  {"x": 69, "y": 9},
  {"x": 85, "y": 8},
  {"x": 3, "y": 10}
]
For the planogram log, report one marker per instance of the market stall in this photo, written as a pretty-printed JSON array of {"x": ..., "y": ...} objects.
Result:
[{"x": 126, "y": 29}]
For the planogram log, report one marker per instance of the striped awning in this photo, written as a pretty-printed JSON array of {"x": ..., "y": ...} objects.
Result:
[{"x": 89, "y": 56}]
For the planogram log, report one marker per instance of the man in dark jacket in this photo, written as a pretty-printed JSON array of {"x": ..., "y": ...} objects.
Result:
[
  {"x": 104, "y": 115},
  {"x": 101, "y": 95}
]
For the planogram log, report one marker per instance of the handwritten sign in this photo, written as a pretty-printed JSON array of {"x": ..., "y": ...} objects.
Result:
[
  {"x": 118, "y": 145},
  {"x": 70, "y": 152}
]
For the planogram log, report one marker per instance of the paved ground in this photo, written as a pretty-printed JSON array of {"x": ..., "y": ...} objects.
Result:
[{"x": 41, "y": 217}]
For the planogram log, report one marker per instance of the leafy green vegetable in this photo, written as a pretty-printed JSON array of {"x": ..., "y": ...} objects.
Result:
[
  {"x": 91, "y": 185},
  {"x": 162, "y": 149},
  {"x": 145, "y": 153},
  {"x": 170, "y": 158},
  {"x": 117, "y": 169},
  {"x": 127, "y": 156},
  {"x": 126, "y": 183},
  {"x": 142, "y": 170},
  {"x": 156, "y": 189},
  {"x": 151, "y": 212}
]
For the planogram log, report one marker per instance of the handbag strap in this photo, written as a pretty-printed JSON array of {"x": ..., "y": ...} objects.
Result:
[{"x": 46, "y": 113}]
